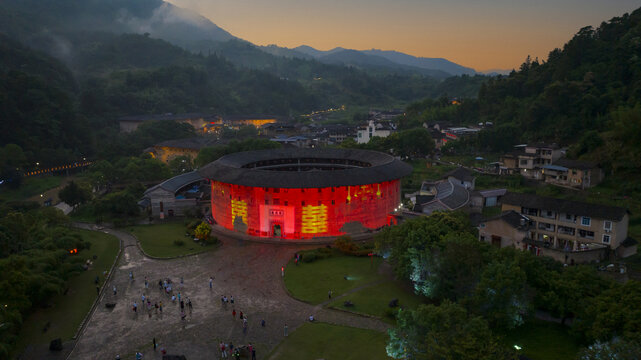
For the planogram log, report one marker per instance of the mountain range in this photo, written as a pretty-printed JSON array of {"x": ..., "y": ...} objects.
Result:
[
  {"x": 191, "y": 30},
  {"x": 385, "y": 58}
]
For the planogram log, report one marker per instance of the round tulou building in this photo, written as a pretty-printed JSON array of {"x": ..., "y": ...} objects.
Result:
[{"x": 305, "y": 193}]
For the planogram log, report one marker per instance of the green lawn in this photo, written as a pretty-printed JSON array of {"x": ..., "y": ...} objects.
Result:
[
  {"x": 375, "y": 300},
  {"x": 30, "y": 186},
  {"x": 158, "y": 240},
  {"x": 311, "y": 281},
  {"x": 69, "y": 310},
  {"x": 329, "y": 342},
  {"x": 541, "y": 340}
]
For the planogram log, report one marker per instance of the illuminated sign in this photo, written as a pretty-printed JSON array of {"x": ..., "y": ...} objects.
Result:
[
  {"x": 239, "y": 208},
  {"x": 276, "y": 212},
  {"x": 314, "y": 219}
]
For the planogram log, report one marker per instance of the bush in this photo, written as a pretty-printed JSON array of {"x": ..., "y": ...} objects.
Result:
[
  {"x": 316, "y": 254},
  {"x": 391, "y": 312},
  {"x": 345, "y": 245},
  {"x": 211, "y": 240},
  {"x": 179, "y": 242}
]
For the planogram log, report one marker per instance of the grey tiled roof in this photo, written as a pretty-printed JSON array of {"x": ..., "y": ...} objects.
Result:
[
  {"x": 575, "y": 164},
  {"x": 177, "y": 182},
  {"x": 230, "y": 169},
  {"x": 460, "y": 173},
  {"x": 614, "y": 213}
]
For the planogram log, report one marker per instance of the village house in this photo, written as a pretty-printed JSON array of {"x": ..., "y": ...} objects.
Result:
[
  {"x": 528, "y": 160},
  {"x": 373, "y": 129},
  {"x": 190, "y": 147},
  {"x": 568, "y": 231},
  {"x": 175, "y": 196},
  {"x": 574, "y": 173}
]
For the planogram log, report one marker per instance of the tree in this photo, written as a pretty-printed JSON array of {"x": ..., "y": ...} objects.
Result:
[
  {"x": 74, "y": 195},
  {"x": 500, "y": 295},
  {"x": 420, "y": 234},
  {"x": 611, "y": 350},
  {"x": 181, "y": 164},
  {"x": 202, "y": 231},
  {"x": 613, "y": 313},
  {"x": 443, "y": 332}
]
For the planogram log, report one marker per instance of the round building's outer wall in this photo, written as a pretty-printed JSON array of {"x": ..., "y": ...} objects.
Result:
[
  {"x": 299, "y": 213},
  {"x": 305, "y": 193}
]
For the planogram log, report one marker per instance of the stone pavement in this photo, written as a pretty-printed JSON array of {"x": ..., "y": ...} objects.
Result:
[{"x": 248, "y": 271}]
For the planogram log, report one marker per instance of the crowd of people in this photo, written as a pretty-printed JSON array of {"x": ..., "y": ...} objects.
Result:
[{"x": 174, "y": 293}]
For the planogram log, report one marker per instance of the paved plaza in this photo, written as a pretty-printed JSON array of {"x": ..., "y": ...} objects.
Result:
[{"x": 248, "y": 271}]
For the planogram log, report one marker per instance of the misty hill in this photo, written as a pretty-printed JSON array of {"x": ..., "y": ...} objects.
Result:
[
  {"x": 359, "y": 59},
  {"x": 155, "y": 17},
  {"x": 437, "y": 67},
  {"x": 422, "y": 62}
]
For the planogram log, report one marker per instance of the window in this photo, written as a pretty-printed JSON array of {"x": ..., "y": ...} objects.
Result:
[
  {"x": 276, "y": 201},
  {"x": 302, "y": 203},
  {"x": 266, "y": 202},
  {"x": 286, "y": 203},
  {"x": 585, "y": 221},
  {"x": 607, "y": 225},
  {"x": 606, "y": 239},
  {"x": 482, "y": 237},
  {"x": 332, "y": 202}
]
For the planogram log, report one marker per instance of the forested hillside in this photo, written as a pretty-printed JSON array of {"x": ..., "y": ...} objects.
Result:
[{"x": 586, "y": 95}]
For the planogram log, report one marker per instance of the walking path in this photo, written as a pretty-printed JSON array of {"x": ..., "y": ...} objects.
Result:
[{"x": 248, "y": 271}]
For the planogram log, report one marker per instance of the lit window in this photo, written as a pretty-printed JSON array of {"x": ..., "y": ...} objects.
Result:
[
  {"x": 585, "y": 221},
  {"x": 606, "y": 239}
]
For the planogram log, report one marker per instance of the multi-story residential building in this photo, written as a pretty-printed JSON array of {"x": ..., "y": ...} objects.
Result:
[
  {"x": 574, "y": 173},
  {"x": 374, "y": 129},
  {"x": 569, "y": 231},
  {"x": 528, "y": 160}
]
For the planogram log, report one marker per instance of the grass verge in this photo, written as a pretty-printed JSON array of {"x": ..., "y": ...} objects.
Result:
[
  {"x": 325, "y": 341},
  {"x": 158, "y": 240},
  {"x": 68, "y": 310},
  {"x": 30, "y": 186},
  {"x": 375, "y": 300},
  {"x": 311, "y": 281}
]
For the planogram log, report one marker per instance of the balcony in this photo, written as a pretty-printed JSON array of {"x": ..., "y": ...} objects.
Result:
[
  {"x": 546, "y": 226},
  {"x": 566, "y": 230},
  {"x": 548, "y": 214}
]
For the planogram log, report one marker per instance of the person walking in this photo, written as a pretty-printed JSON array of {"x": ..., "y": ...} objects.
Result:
[
  {"x": 223, "y": 350},
  {"x": 285, "y": 330},
  {"x": 135, "y": 307},
  {"x": 146, "y": 283},
  {"x": 329, "y": 294},
  {"x": 233, "y": 313},
  {"x": 189, "y": 304},
  {"x": 155, "y": 345},
  {"x": 160, "y": 307},
  {"x": 115, "y": 290},
  {"x": 241, "y": 315},
  {"x": 231, "y": 300},
  {"x": 211, "y": 282}
]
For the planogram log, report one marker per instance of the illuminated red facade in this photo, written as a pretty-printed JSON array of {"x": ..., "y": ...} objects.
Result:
[
  {"x": 305, "y": 193},
  {"x": 305, "y": 212}
]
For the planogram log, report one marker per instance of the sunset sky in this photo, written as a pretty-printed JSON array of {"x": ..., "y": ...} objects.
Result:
[{"x": 491, "y": 34}]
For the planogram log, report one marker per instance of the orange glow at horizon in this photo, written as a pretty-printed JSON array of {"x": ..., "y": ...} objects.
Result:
[{"x": 493, "y": 34}]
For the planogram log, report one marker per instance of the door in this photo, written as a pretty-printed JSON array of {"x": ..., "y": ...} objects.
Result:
[
  {"x": 276, "y": 230},
  {"x": 496, "y": 241}
]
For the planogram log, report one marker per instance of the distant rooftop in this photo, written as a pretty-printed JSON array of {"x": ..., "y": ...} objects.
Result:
[{"x": 565, "y": 206}]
